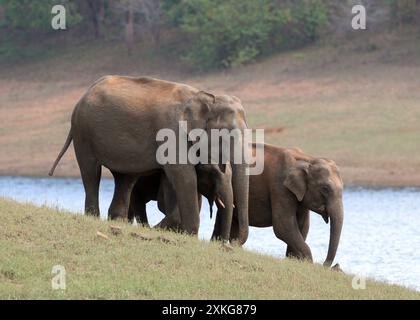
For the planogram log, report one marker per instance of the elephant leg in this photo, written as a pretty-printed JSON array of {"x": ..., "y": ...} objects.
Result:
[
  {"x": 141, "y": 215},
  {"x": 286, "y": 228},
  {"x": 120, "y": 202},
  {"x": 137, "y": 209},
  {"x": 167, "y": 204},
  {"x": 90, "y": 171},
  {"x": 304, "y": 222},
  {"x": 183, "y": 179},
  {"x": 172, "y": 220},
  {"x": 234, "y": 229},
  {"x": 303, "y": 218},
  {"x": 217, "y": 227},
  {"x": 200, "y": 202}
]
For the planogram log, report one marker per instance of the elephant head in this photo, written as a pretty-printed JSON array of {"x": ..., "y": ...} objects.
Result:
[
  {"x": 215, "y": 183},
  {"x": 318, "y": 186},
  {"x": 209, "y": 112}
]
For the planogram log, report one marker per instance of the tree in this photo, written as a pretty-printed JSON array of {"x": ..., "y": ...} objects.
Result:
[
  {"x": 142, "y": 18},
  {"x": 405, "y": 11},
  {"x": 152, "y": 13},
  {"x": 95, "y": 10},
  {"x": 228, "y": 33},
  {"x": 96, "y": 14}
]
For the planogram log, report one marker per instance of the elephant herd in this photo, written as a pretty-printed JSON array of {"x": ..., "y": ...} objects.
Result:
[{"x": 115, "y": 125}]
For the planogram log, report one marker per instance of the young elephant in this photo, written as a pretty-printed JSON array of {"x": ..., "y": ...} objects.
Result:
[
  {"x": 213, "y": 182},
  {"x": 292, "y": 184}
]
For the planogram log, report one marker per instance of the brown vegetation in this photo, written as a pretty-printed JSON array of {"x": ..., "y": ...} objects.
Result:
[{"x": 357, "y": 103}]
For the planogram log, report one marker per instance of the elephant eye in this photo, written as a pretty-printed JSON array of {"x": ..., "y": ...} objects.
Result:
[{"x": 325, "y": 189}]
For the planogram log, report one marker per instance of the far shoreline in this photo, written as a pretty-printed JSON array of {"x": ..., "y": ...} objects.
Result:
[{"x": 373, "y": 185}]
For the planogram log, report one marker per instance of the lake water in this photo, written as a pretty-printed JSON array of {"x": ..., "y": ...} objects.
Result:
[{"x": 380, "y": 238}]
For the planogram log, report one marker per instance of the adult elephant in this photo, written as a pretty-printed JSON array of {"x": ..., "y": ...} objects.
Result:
[
  {"x": 213, "y": 182},
  {"x": 292, "y": 184},
  {"x": 115, "y": 125}
]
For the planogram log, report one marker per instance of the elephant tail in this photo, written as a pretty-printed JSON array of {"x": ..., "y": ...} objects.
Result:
[{"x": 62, "y": 152}]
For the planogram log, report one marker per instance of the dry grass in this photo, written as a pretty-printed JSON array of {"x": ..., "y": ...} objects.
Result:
[
  {"x": 357, "y": 103},
  {"x": 162, "y": 266}
]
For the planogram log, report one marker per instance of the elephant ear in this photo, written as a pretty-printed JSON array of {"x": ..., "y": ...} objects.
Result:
[
  {"x": 197, "y": 110},
  {"x": 213, "y": 173},
  {"x": 296, "y": 181},
  {"x": 205, "y": 97}
]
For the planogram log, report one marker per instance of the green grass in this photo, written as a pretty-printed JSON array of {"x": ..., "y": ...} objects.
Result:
[{"x": 34, "y": 239}]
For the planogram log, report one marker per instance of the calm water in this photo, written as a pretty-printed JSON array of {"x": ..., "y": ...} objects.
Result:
[{"x": 380, "y": 239}]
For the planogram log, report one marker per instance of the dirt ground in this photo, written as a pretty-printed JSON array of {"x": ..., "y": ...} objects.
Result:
[{"x": 357, "y": 103}]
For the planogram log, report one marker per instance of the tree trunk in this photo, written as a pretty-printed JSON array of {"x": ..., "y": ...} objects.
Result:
[
  {"x": 129, "y": 29},
  {"x": 94, "y": 15}
]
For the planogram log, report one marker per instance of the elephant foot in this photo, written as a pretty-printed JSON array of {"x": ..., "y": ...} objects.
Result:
[
  {"x": 118, "y": 218},
  {"x": 337, "y": 268},
  {"x": 236, "y": 243},
  {"x": 215, "y": 238},
  {"x": 225, "y": 245},
  {"x": 141, "y": 224},
  {"x": 168, "y": 224},
  {"x": 117, "y": 214}
]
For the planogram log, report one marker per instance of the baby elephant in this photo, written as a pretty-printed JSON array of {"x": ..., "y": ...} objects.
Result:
[
  {"x": 213, "y": 181},
  {"x": 291, "y": 185}
]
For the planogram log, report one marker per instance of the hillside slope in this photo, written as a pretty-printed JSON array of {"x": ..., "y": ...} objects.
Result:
[
  {"x": 147, "y": 264},
  {"x": 357, "y": 102}
]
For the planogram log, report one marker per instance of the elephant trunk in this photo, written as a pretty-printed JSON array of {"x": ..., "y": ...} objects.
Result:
[
  {"x": 227, "y": 212},
  {"x": 240, "y": 184},
  {"x": 335, "y": 212}
]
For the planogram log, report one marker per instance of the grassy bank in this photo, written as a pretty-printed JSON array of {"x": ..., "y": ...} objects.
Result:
[
  {"x": 146, "y": 264},
  {"x": 356, "y": 102}
]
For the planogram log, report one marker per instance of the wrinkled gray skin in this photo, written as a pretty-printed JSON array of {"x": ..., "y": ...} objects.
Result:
[
  {"x": 292, "y": 184},
  {"x": 213, "y": 182},
  {"x": 115, "y": 125}
]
